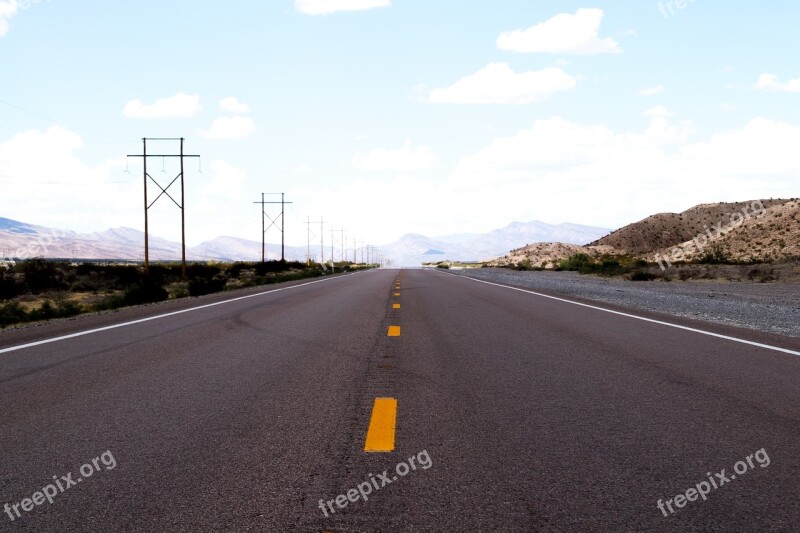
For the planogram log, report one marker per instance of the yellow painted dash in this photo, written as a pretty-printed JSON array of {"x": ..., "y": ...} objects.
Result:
[
  {"x": 395, "y": 306},
  {"x": 394, "y": 331},
  {"x": 397, "y": 294},
  {"x": 382, "y": 425}
]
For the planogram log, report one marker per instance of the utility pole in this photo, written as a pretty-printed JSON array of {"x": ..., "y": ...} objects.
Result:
[
  {"x": 273, "y": 222},
  {"x": 321, "y": 241},
  {"x": 308, "y": 240},
  {"x": 342, "y": 235},
  {"x": 333, "y": 260},
  {"x": 144, "y": 155}
]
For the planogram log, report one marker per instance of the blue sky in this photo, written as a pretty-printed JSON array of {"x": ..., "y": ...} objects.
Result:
[{"x": 388, "y": 117}]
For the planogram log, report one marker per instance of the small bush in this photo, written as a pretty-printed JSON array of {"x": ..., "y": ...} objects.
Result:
[
  {"x": 200, "y": 287},
  {"x": 12, "y": 313},
  {"x": 525, "y": 265},
  {"x": 643, "y": 276},
  {"x": 146, "y": 291},
  {"x": 576, "y": 262},
  {"x": 715, "y": 256}
]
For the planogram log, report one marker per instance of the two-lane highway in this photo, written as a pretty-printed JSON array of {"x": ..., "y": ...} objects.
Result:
[{"x": 396, "y": 401}]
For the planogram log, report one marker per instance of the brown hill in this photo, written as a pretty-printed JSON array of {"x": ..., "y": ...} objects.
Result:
[
  {"x": 767, "y": 237},
  {"x": 665, "y": 230},
  {"x": 752, "y": 231}
]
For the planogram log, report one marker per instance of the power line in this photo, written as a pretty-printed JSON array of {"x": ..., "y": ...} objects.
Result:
[
  {"x": 273, "y": 223},
  {"x": 53, "y": 121},
  {"x": 164, "y": 192},
  {"x": 308, "y": 241}
]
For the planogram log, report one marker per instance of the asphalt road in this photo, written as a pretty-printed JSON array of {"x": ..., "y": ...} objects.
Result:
[{"x": 514, "y": 412}]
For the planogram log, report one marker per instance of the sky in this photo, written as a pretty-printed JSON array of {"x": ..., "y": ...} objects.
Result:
[{"x": 387, "y": 117}]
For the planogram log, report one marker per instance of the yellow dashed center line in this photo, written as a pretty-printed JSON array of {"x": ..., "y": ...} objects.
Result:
[
  {"x": 395, "y": 306},
  {"x": 397, "y": 294},
  {"x": 382, "y": 425},
  {"x": 394, "y": 331}
]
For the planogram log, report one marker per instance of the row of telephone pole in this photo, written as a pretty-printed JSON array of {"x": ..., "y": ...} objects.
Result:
[{"x": 369, "y": 254}]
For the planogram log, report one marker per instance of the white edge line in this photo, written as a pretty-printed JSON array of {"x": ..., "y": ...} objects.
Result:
[
  {"x": 660, "y": 322},
  {"x": 156, "y": 317}
]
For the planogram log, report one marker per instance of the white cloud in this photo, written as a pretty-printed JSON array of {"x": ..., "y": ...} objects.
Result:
[
  {"x": 8, "y": 8},
  {"x": 226, "y": 182},
  {"x": 405, "y": 159},
  {"x": 325, "y": 7},
  {"x": 658, "y": 111},
  {"x": 651, "y": 91},
  {"x": 78, "y": 194},
  {"x": 87, "y": 198},
  {"x": 181, "y": 105},
  {"x": 229, "y": 128},
  {"x": 498, "y": 84},
  {"x": 232, "y": 105},
  {"x": 770, "y": 82},
  {"x": 558, "y": 170},
  {"x": 562, "y": 34}
]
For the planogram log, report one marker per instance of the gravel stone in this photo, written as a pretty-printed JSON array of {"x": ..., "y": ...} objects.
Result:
[{"x": 767, "y": 307}]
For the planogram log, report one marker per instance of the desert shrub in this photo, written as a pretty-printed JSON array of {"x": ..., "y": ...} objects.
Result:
[
  {"x": 178, "y": 290},
  {"x": 715, "y": 256},
  {"x": 609, "y": 267},
  {"x": 146, "y": 291},
  {"x": 91, "y": 282},
  {"x": 200, "y": 287},
  {"x": 41, "y": 275},
  {"x": 200, "y": 270},
  {"x": 641, "y": 275},
  {"x": 9, "y": 287},
  {"x": 11, "y": 313},
  {"x": 577, "y": 262},
  {"x": 235, "y": 270},
  {"x": 762, "y": 276},
  {"x": 525, "y": 265},
  {"x": 281, "y": 266},
  {"x": 443, "y": 266},
  {"x": 110, "y": 302}
]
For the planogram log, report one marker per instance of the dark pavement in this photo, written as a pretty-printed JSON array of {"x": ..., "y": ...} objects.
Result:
[{"x": 521, "y": 413}]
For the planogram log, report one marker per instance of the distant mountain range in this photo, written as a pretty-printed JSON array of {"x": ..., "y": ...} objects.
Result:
[
  {"x": 415, "y": 249},
  {"x": 19, "y": 239}
]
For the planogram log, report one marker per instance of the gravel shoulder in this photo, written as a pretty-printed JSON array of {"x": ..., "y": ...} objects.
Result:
[{"x": 767, "y": 307}]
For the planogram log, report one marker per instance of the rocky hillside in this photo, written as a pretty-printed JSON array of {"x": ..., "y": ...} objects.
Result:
[
  {"x": 665, "y": 230},
  {"x": 752, "y": 231}
]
